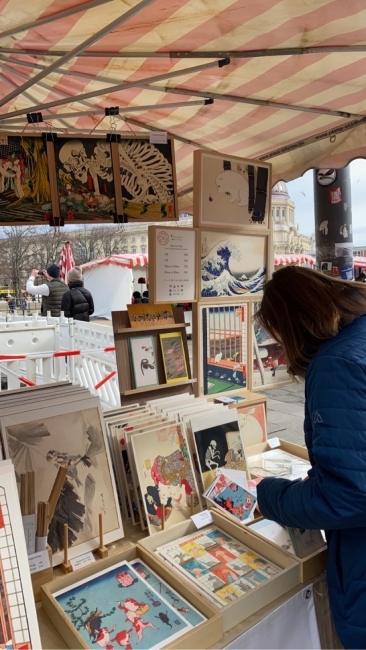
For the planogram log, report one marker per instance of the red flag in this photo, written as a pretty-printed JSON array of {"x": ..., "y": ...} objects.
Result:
[{"x": 66, "y": 261}]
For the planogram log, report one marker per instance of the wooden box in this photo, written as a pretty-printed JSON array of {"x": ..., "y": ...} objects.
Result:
[
  {"x": 310, "y": 566},
  {"x": 289, "y": 447},
  {"x": 250, "y": 603},
  {"x": 201, "y": 637}
]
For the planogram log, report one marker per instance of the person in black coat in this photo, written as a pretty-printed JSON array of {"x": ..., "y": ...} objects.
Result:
[{"x": 77, "y": 303}]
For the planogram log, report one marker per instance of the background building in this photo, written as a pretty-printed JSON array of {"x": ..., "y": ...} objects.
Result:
[{"x": 287, "y": 239}]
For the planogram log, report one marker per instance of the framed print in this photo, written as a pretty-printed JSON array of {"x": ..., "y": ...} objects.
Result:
[
  {"x": 56, "y": 437},
  {"x": 116, "y": 606},
  {"x": 147, "y": 179},
  {"x": 224, "y": 364},
  {"x": 174, "y": 358},
  {"x": 230, "y": 189},
  {"x": 219, "y": 444},
  {"x": 166, "y": 476},
  {"x": 19, "y": 625},
  {"x": 147, "y": 315},
  {"x": 143, "y": 363},
  {"x": 269, "y": 365},
  {"x": 25, "y": 193},
  {"x": 85, "y": 182},
  {"x": 172, "y": 264},
  {"x": 232, "y": 264}
]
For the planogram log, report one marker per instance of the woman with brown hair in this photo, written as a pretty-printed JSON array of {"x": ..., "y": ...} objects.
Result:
[{"x": 321, "y": 324}]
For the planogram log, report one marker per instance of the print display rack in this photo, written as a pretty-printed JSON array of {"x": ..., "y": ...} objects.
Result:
[
  {"x": 122, "y": 333},
  {"x": 232, "y": 215}
]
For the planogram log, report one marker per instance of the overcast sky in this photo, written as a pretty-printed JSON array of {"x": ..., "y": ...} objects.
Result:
[{"x": 301, "y": 192}]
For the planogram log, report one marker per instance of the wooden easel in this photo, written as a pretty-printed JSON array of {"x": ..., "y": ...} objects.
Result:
[
  {"x": 66, "y": 566},
  {"x": 101, "y": 551}
]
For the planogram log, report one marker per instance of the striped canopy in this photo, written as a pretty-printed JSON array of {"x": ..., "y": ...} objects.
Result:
[
  {"x": 287, "y": 76},
  {"x": 285, "y": 260},
  {"x": 129, "y": 261}
]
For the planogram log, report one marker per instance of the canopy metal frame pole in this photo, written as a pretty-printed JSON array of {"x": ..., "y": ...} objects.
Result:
[
  {"x": 254, "y": 102},
  {"x": 202, "y": 54},
  {"x": 76, "y": 50},
  {"x": 127, "y": 109},
  {"x": 116, "y": 88},
  {"x": 34, "y": 24}
]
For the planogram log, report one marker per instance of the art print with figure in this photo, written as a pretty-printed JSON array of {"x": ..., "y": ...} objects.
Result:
[
  {"x": 219, "y": 444},
  {"x": 218, "y": 564},
  {"x": 224, "y": 347},
  {"x": 116, "y": 608},
  {"x": 232, "y": 264},
  {"x": 143, "y": 362},
  {"x": 185, "y": 609},
  {"x": 174, "y": 358},
  {"x": 235, "y": 501},
  {"x": 231, "y": 190},
  {"x": 147, "y": 179},
  {"x": 278, "y": 463},
  {"x": 85, "y": 179},
  {"x": 253, "y": 424},
  {"x": 269, "y": 361},
  {"x": 166, "y": 476},
  {"x": 25, "y": 194},
  {"x": 73, "y": 438}
]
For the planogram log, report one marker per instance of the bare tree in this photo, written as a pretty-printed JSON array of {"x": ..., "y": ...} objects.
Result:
[{"x": 18, "y": 255}]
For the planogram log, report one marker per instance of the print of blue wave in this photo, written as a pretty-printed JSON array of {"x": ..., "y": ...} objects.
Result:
[{"x": 217, "y": 278}]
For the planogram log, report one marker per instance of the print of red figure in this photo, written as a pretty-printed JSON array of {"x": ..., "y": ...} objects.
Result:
[{"x": 134, "y": 612}]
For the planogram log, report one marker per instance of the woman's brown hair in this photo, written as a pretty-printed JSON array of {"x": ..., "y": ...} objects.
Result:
[{"x": 302, "y": 309}]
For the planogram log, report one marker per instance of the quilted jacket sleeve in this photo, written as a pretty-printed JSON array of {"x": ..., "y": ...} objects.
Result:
[{"x": 334, "y": 495}]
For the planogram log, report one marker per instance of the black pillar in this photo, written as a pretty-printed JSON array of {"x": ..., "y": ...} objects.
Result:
[{"x": 333, "y": 222}]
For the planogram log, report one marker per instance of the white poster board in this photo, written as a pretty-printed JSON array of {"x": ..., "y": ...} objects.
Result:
[{"x": 172, "y": 264}]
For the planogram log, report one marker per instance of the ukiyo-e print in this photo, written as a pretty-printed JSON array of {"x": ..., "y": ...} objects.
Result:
[
  {"x": 278, "y": 463},
  {"x": 174, "y": 358},
  {"x": 25, "y": 195},
  {"x": 143, "y": 361},
  {"x": 85, "y": 179},
  {"x": 117, "y": 608},
  {"x": 236, "y": 188},
  {"x": 218, "y": 443},
  {"x": 236, "y": 501},
  {"x": 74, "y": 440},
  {"x": 147, "y": 179},
  {"x": 18, "y": 618},
  {"x": 219, "y": 565},
  {"x": 253, "y": 424},
  {"x": 276, "y": 533},
  {"x": 165, "y": 472},
  {"x": 232, "y": 264},
  {"x": 185, "y": 609},
  {"x": 224, "y": 348},
  {"x": 269, "y": 361},
  {"x": 146, "y": 315}
]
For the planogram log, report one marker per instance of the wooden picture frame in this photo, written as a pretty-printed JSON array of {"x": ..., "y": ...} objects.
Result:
[
  {"x": 143, "y": 361},
  {"x": 174, "y": 358},
  {"x": 232, "y": 265},
  {"x": 268, "y": 366},
  {"x": 232, "y": 191},
  {"x": 172, "y": 264}
]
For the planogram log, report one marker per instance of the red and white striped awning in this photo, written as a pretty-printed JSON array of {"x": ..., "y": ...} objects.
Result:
[
  {"x": 294, "y": 91},
  {"x": 285, "y": 260},
  {"x": 129, "y": 261},
  {"x": 359, "y": 262}
]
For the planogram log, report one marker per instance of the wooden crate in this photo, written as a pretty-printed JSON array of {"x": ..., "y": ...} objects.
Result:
[
  {"x": 41, "y": 578},
  {"x": 289, "y": 447},
  {"x": 310, "y": 566},
  {"x": 201, "y": 637},
  {"x": 250, "y": 603}
]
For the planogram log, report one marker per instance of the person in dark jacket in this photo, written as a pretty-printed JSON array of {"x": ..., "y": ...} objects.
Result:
[
  {"x": 77, "y": 303},
  {"x": 321, "y": 324},
  {"x": 51, "y": 290}
]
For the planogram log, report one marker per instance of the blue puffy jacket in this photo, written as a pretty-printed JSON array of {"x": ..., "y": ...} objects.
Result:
[{"x": 333, "y": 498}]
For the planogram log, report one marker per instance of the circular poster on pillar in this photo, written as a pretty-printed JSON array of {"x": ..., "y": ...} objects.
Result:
[{"x": 326, "y": 176}]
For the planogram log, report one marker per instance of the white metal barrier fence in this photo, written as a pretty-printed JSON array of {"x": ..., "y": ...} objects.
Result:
[{"x": 31, "y": 353}]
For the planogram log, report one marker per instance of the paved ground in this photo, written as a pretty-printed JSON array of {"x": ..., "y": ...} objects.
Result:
[{"x": 286, "y": 412}]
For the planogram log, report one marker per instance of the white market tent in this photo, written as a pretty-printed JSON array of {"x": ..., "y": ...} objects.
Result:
[
  {"x": 110, "y": 281},
  {"x": 276, "y": 80}
]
